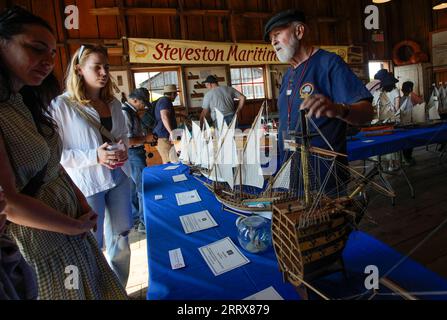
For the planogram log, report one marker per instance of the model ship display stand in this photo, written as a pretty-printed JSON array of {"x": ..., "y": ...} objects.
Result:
[{"x": 310, "y": 229}]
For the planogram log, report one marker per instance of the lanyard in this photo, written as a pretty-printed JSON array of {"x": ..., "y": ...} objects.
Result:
[{"x": 298, "y": 84}]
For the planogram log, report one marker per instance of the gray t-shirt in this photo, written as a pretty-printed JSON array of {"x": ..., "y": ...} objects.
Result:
[{"x": 221, "y": 98}]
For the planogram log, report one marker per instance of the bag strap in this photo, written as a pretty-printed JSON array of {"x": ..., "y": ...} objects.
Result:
[{"x": 93, "y": 122}]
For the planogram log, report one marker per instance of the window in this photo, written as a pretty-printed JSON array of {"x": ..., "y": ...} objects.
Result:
[
  {"x": 155, "y": 79},
  {"x": 249, "y": 81}
]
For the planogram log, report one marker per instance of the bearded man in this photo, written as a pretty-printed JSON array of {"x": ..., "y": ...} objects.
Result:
[{"x": 317, "y": 81}]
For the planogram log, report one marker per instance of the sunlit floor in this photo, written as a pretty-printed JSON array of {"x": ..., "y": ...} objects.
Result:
[{"x": 138, "y": 277}]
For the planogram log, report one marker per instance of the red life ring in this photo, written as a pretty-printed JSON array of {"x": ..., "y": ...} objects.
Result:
[{"x": 415, "y": 57}]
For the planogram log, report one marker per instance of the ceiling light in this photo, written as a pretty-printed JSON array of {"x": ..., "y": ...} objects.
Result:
[{"x": 440, "y": 5}]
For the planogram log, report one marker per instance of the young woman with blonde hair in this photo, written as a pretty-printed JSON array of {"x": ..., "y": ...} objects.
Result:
[{"x": 94, "y": 135}]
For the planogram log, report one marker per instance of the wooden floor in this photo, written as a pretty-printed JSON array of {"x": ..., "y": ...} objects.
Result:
[{"x": 410, "y": 221}]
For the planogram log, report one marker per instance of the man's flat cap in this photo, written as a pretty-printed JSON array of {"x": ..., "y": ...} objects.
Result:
[{"x": 281, "y": 19}]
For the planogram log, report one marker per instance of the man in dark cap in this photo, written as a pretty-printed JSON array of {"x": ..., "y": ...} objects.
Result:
[
  {"x": 137, "y": 102},
  {"x": 220, "y": 98},
  {"x": 387, "y": 99},
  {"x": 375, "y": 85},
  {"x": 319, "y": 82}
]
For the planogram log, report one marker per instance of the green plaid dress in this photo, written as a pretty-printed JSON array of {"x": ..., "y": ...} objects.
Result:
[{"x": 55, "y": 257}]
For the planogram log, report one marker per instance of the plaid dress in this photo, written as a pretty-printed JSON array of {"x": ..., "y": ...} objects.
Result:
[{"x": 67, "y": 267}]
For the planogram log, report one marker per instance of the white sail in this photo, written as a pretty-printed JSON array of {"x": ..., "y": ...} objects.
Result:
[
  {"x": 219, "y": 122},
  {"x": 207, "y": 147},
  {"x": 197, "y": 143},
  {"x": 226, "y": 156},
  {"x": 282, "y": 180},
  {"x": 249, "y": 173},
  {"x": 190, "y": 145},
  {"x": 184, "y": 144},
  {"x": 433, "y": 105}
]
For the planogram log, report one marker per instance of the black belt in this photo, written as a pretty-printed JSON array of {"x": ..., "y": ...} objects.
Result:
[{"x": 137, "y": 147}]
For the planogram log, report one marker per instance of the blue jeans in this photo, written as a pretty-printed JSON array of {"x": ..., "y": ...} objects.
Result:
[
  {"x": 114, "y": 220},
  {"x": 228, "y": 118},
  {"x": 137, "y": 160}
]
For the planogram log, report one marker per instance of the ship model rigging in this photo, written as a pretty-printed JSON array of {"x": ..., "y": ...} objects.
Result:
[{"x": 315, "y": 200}]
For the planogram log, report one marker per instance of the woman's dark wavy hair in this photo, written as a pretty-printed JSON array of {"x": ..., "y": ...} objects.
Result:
[{"x": 36, "y": 98}]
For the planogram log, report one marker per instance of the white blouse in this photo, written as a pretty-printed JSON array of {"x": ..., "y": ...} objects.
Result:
[{"x": 80, "y": 141}]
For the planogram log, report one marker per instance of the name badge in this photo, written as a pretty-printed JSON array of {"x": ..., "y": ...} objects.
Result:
[{"x": 289, "y": 92}]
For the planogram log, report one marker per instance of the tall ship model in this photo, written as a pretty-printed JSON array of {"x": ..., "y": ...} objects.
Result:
[{"x": 314, "y": 200}]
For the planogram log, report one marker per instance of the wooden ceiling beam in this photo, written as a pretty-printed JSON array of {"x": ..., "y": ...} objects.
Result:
[{"x": 116, "y": 11}]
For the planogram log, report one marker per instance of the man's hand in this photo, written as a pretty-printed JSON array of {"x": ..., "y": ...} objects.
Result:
[{"x": 320, "y": 106}]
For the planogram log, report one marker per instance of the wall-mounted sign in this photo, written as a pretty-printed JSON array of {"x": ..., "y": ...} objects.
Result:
[
  {"x": 165, "y": 51},
  {"x": 174, "y": 52}
]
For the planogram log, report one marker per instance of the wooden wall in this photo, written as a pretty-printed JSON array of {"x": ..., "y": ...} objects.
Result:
[{"x": 333, "y": 22}]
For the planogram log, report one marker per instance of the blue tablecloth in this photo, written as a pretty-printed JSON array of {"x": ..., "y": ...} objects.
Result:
[
  {"x": 197, "y": 282},
  {"x": 363, "y": 147}
]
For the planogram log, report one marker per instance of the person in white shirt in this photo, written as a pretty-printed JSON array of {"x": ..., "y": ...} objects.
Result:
[
  {"x": 387, "y": 103},
  {"x": 96, "y": 165},
  {"x": 387, "y": 99}
]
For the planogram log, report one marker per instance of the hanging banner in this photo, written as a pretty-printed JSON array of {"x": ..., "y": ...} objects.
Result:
[
  {"x": 175, "y": 52},
  {"x": 165, "y": 51}
]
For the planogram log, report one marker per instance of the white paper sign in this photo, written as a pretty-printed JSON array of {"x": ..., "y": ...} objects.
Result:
[
  {"x": 187, "y": 197},
  {"x": 267, "y": 294},
  {"x": 158, "y": 197},
  {"x": 179, "y": 178},
  {"x": 176, "y": 258},
  {"x": 171, "y": 168},
  {"x": 197, "y": 221},
  {"x": 223, "y": 256}
]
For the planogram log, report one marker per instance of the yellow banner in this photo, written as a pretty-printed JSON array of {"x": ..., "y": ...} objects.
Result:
[
  {"x": 165, "y": 51},
  {"x": 174, "y": 52}
]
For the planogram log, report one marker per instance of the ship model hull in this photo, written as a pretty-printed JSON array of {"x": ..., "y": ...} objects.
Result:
[{"x": 308, "y": 248}]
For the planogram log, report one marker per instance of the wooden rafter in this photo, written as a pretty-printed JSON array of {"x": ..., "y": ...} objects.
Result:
[{"x": 133, "y": 11}]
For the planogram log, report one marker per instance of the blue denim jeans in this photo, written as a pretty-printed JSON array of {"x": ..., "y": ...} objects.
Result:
[
  {"x": 137, "y": 160},
  {"x": 114, "y": 223},
  {"x": 228, "y": 118}
]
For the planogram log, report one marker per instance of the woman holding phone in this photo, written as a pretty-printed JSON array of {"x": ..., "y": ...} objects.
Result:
[{"x": 94, "y": 136}]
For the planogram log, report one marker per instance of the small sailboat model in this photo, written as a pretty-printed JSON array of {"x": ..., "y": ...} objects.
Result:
[
  {"x": 231, "y": 161},
  {"x": 311, "y": 222},
  {"x": 239, "y": 179}
]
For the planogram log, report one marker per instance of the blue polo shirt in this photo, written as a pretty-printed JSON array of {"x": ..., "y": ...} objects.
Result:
[
  {"x": 327, "y": 74},
  {"x": 164, "y": 104}
]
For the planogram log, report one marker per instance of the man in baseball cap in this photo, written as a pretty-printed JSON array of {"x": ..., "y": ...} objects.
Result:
[
  {"x": 166, "y": 123},
  {"x": 210, "y": 79},
  {"x": 220, "y": 98},
  {"x": 321, "y": 85}
]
